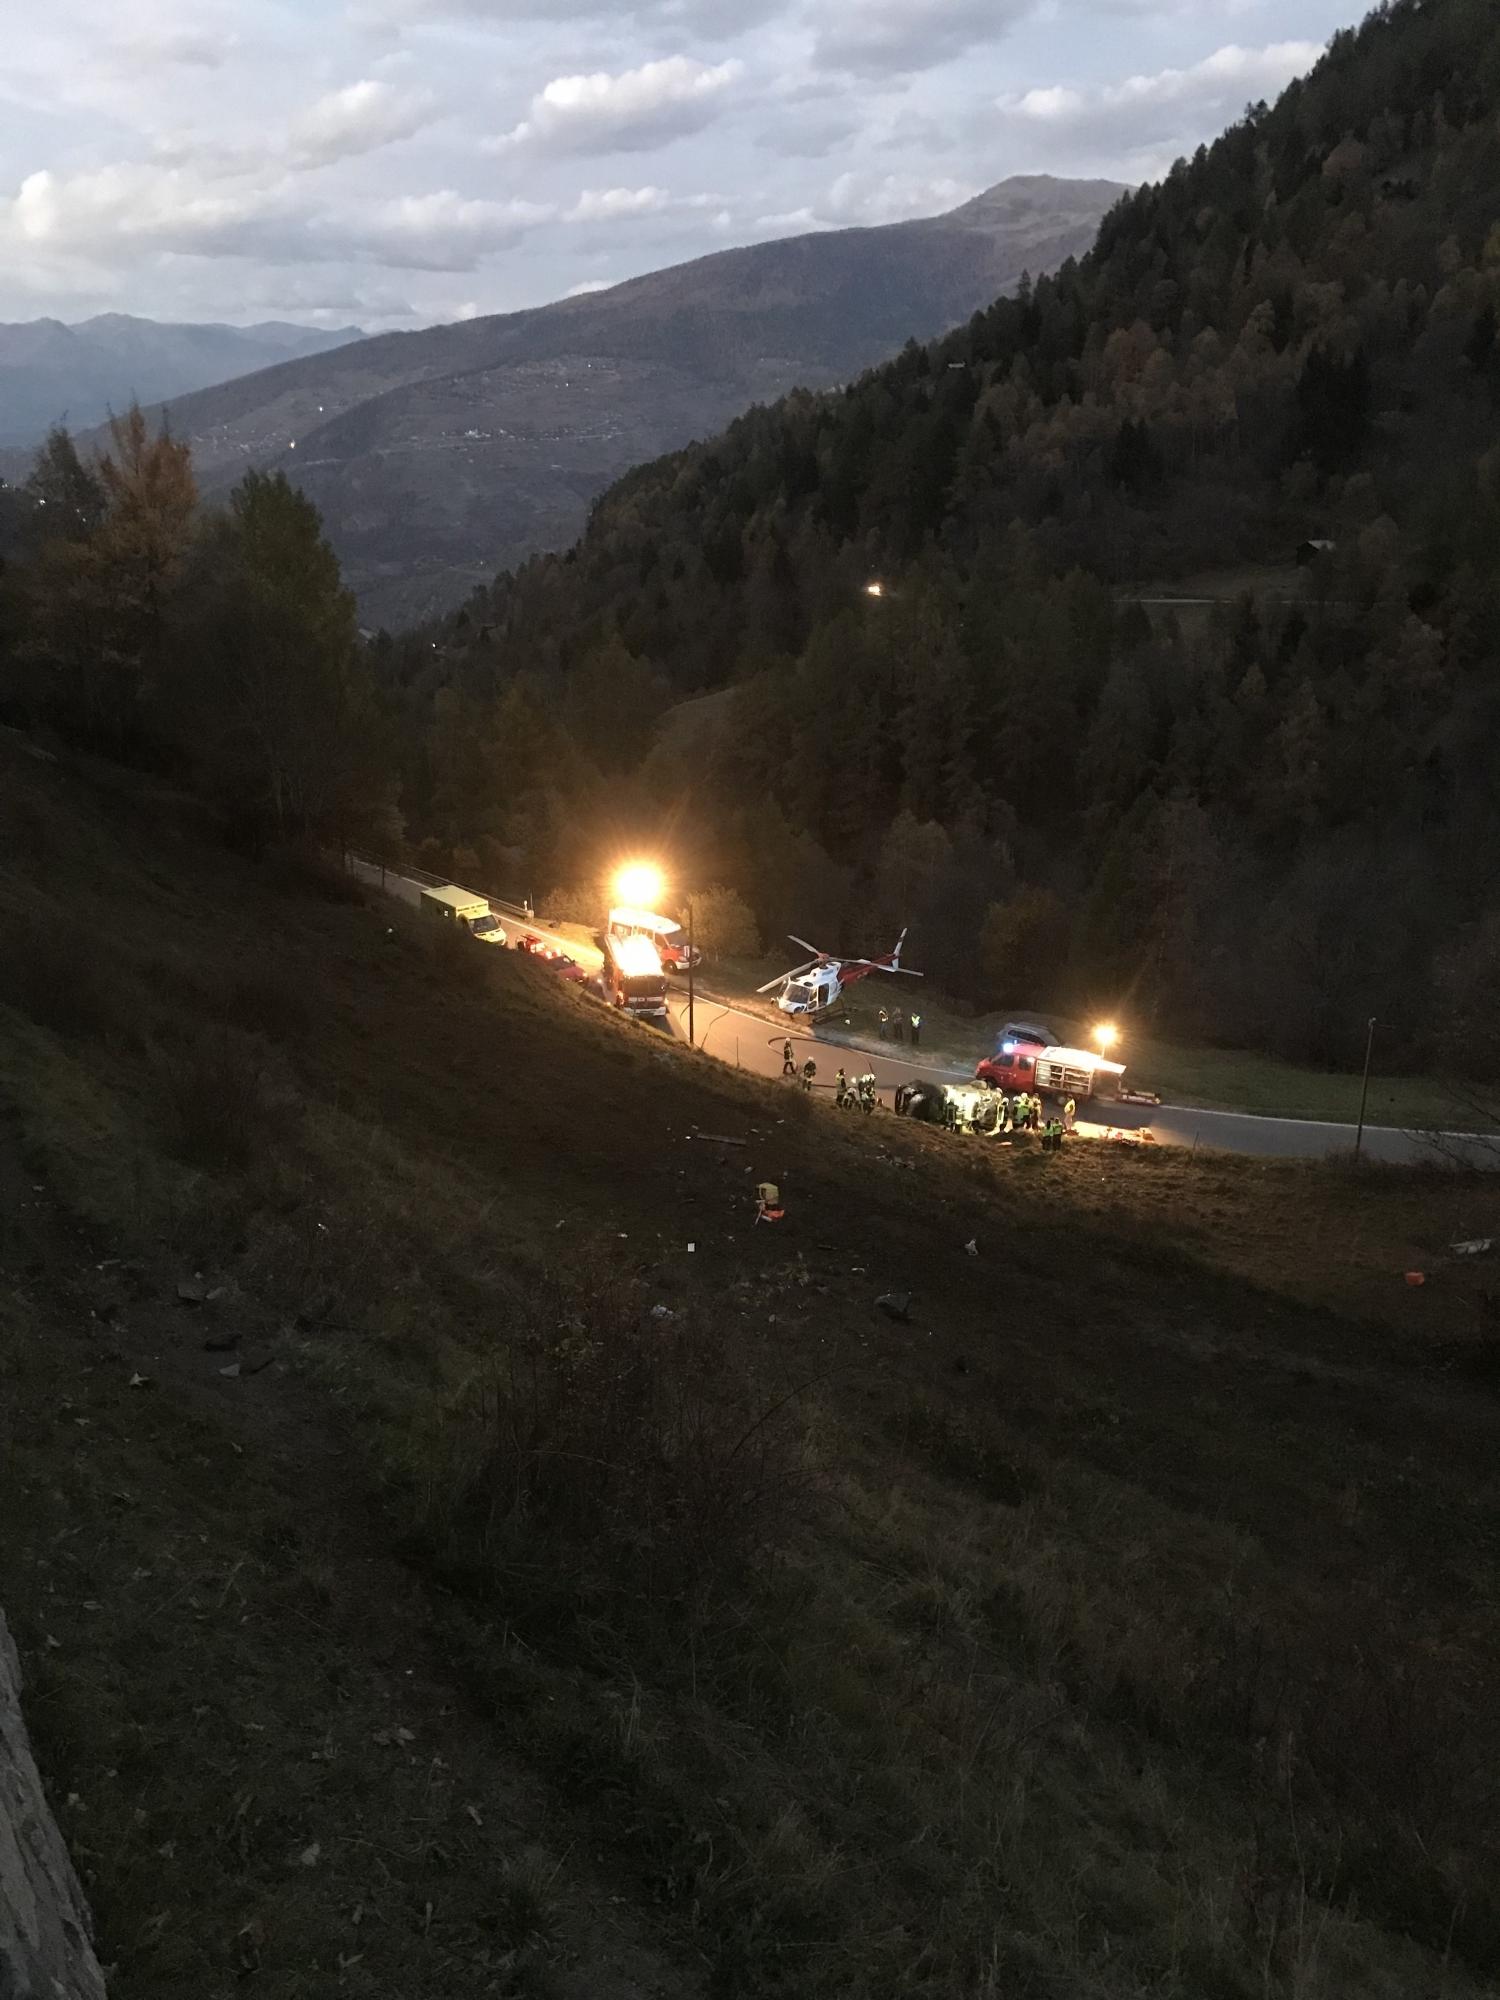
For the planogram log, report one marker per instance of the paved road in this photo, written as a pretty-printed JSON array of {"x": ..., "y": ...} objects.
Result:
[{"x": 754, "y": 1044}]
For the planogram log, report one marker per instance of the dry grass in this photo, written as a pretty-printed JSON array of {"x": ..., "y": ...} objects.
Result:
[{"x": 1124, "y": 1625}]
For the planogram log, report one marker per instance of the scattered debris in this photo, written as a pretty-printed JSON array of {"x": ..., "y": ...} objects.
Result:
[
  {"x": 662, "y": 1312},
  {"x": 1477, "y": 1246},
  {"x": 254, "y": 1359},
  {"x": 140, "y": 1381},
  {"x": 221, "y": 1341},
  {"x": 1416, "y": 1277},
  {"x": 310, "y": 1856},
  {"x": 232, "y": 1370},
  {"x": 896, "y": 1305},
  {"x": 717, "y": 1139},
  {"x": 972, "y": 1246},
  {"x": 191, "y": 1291}
]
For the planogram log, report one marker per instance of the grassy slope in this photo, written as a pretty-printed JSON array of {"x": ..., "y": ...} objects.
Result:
[{"x": 1137, "y": 1631}]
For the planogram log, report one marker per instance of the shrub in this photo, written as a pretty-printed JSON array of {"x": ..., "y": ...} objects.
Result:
[
  {"x": 299, "y": 870},
  {"x": 267, "y": 1001},
  {"x": 57, "y": 972},
  {"x": 624, "y": 1434},
  {"x": 226, "y": 1100}
]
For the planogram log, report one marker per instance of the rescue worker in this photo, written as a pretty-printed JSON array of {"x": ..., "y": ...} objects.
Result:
[
  {"x": 809, "y": 1071},
  {"x": 898, "y": 1025},
  {"x": 916, "y": 1031},
  {"x": 840, "y": 1087},
  {"x": 868, "y": 1097},
  {"x": 788, "y": 1067},
  {"x": 1002, "y": 1113},
  {"x": 885, "y": 1025},
  {"x": 1070, "y": 1115}
]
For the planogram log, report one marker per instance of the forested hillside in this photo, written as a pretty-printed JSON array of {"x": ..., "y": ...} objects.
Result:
[{"x": 1266, "y": 823}]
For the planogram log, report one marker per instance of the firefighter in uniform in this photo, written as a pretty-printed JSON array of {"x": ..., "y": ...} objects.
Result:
[
  {"x": 840, "y": 1087},
  {"x": 809, "y": 1071},
  {"x": 788, "y": 1067}
]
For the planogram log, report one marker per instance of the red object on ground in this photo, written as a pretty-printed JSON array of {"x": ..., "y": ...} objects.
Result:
[{"x": 1416, "y": 1277}]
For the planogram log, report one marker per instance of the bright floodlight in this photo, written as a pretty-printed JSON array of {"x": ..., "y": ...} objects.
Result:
[
  {"x": 640, "y": 884},
  {"x": 1106, "y": 1035},
  {"x": 875, "y": 589}
]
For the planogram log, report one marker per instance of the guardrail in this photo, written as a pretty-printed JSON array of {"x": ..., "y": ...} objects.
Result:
[{"x": 409, "y": 872}]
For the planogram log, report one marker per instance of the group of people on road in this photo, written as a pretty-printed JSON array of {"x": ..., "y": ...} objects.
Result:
[
  {"x": 856, "y": 1094},
  {"x": 1023, "y": 1113},
  {"x": 895, "y": 1025}
]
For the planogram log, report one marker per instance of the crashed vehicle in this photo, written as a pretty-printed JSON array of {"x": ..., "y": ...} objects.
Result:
[{"x": 958, "y": 1106}]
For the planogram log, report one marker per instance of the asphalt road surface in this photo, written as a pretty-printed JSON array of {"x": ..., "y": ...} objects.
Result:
[{"x": 752, "y": 1043}]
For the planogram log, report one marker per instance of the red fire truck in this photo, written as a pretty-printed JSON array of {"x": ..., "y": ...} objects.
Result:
[{"x": 1026, "y": 1058}]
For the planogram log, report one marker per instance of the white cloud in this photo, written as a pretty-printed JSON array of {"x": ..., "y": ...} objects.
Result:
[
  {"x": 358, "y": 119},
  {"x": 866, "y": 200},
  {"x": 1143, "y": 110},
  {"x": 126, "y": 203},
  {"x": 894, "y": 37},
  {"x": 185, "y": 47},
  {"x": 445, "y": 231},
  {"x": 628, "y": 112},
  {"x": 710, "y": 18},
  {"x": 611, "y": 204},
  {"x": 588, "y": 288}
]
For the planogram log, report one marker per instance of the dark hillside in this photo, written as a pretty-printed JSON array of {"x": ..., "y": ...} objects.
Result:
[
  {"x": 1264, "y": 823},
  {"x": 456, "y": 1550}
]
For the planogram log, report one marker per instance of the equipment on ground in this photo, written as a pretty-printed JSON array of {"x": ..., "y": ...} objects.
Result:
[
  {"x": 1021, "y": 1063},
  {"x": 818, "y": 987},
  {"x": 672, "y": 948},
  {"x": 472, "y": 913}
]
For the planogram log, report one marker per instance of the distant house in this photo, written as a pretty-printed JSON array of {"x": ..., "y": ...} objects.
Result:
[{"x": 1308, "y": 552}]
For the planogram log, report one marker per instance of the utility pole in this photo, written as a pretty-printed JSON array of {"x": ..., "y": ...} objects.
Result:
[
  {"x": 692, "y": 954},
  {"x": 1364, "y": 1094}
]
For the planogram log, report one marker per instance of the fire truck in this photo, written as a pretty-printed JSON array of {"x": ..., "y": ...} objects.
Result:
[
  {"x": 632, "y": 978},
  {"x": 1027, "y": 1058},
  {"x": 672, "y": 948}
]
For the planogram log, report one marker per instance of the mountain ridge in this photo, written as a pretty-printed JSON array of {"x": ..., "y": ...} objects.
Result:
[
  {"x": 442, "y": 456},
  {"x": 54, "y": 370}
]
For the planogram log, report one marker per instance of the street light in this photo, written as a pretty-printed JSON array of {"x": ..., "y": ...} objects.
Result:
[
  {"x": 875, "y": 589},
  {"x": 1106, "y": 1035},
  {"x": 639, "y": 884}
]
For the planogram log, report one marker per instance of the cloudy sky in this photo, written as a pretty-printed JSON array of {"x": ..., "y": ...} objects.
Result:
[{"x": 395, "y": 162}]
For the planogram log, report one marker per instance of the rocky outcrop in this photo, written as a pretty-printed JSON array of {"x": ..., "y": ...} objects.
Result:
[{"x": 45, "y": 1947}]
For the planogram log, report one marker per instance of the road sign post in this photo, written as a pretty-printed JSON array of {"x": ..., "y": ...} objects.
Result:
[
  {"x": 692, "y": 954},
  {"x": 1364, "y": 1090}
]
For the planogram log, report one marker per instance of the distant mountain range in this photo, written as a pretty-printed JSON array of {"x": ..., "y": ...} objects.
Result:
[
  {"x": 441, "y": 456},
  {"x": 52, "y": 373}
]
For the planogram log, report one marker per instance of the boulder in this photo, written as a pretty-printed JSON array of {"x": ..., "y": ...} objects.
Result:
[{"x": 46, "y": 1951}]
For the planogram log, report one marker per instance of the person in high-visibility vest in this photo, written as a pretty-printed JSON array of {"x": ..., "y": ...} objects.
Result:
[
  {"x": 1070, "y": 1115},
  {"x": 916, "y": 1031}
]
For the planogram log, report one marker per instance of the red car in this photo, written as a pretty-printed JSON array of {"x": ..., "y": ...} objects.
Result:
[{"x": 555, "y": 960}]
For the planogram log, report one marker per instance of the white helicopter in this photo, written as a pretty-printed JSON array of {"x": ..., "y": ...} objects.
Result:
[{"x": 816, "y": 988}]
